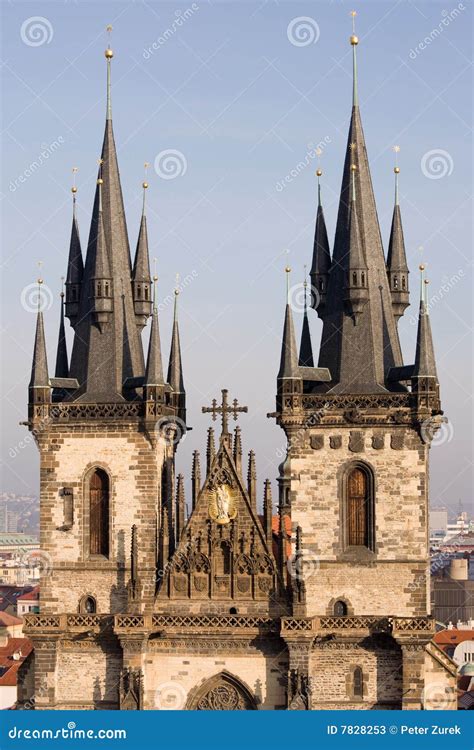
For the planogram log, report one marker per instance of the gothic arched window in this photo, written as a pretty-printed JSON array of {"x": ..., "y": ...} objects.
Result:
[
  {"x": 340, "y": 608},
  {"x": 359, "y": 511},
  {"x": 404, "y": 283},
  {"x": 88, "y": 605},
  {"x": 99, "y": 513},
  {"x": 358, "y": 683},
  {"x": 354, "y": 278}
]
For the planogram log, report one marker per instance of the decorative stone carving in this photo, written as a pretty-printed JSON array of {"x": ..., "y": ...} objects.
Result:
[
  {"x": 353, "y": 415},
  {"x": 397, "y": 441},
  {"x": 317, "y": 442},
  {"x": 378, "y": 441},
  {"x": 335, "y": 441},
  {"x": 299, "y": 691},
  {"x": 356, "y": 441},
  {"x": 131, "y": 692},
  {"x": 223, "y": 693}
]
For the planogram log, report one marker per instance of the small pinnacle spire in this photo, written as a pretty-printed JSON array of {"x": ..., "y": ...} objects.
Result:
[
  {"x": 289, "y": 355},
  {"x": 180, "y": 506},
  {"x": 196, "y": 477},
  {"x": 108, "y": 56},
  {"x": 238, "y": 449},
  {"x": 354, "y": 40},
  {"x": 306, "y": 349},
  {"x": 62, "y": 366},
  {"x": 252, "y": 480},
  {"x": 396, "y": 170},
  {"x": 211, "y": 448},
  {"x": 175, "y": 368},
  {"x": 425, "y": 363},
  {"x": 154, "y": 364},
  {"x": 39, "y": 370},
  {"x": 268, "y": 511}
]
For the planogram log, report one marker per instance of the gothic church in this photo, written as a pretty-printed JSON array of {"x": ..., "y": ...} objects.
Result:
[{"x": 320, "y": 603}]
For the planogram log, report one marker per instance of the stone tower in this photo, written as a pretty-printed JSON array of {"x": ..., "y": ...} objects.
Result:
[
  {"x": 148, "y": 605},
  {"x": 355, "y": 480},
  {"x": 107, "y": 426}
]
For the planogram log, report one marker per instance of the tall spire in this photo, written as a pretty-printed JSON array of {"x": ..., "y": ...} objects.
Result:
[
  {"x": 175, "y": 368},
  {"x": 425, "y": 363},
  {"x": 101, "y": 275},
  {"x": 211, "y": 449},
  {"x": 75, "y": 265},
  {"x": 105, "y": 357},
  {"x": 397, "y": 267},
  {"x": 62, "y": 366},
  {"x": 321, "y": 263},
  {"x": 359, "y": 357},
  {"x": 289, "y": 352},
  {"x": 306, "y": 349},
  {"x": 356, "y": 291},
  {"x": 154, "y": 364},
  {"x": 141, "y": 269},
  {"x": 39, "y": 370}
]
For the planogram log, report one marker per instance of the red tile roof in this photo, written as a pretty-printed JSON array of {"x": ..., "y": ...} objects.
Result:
[
  {"x": 30, "y": 595},
  {"x": 23, "y": 645},
  {"x": 453, "y": 637},
  {"x": 7, "y": 619}
]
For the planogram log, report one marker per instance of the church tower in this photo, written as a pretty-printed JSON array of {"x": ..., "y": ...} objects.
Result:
[
  {"x": 355, "y": 480},
  {"x": 107, "y": 428}
]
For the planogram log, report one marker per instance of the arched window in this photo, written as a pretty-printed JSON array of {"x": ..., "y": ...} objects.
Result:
[
  {"x": 360, "y": 508},
  {"x": 146, "y": 293},
  {"x": 358, "y": 683},
  {"x": 106, "y": 288},
  {"x": 340, "y": 608},
  {"x": 404, "y": 283},
  {"x": 139, "y": 291},
  {"x": 363, "y": 278},
  {"x": 99, "y": 513},
  {"x": 99, "y": 289},
  {"x": 395, "y": 282},
  {"x": 88, "y": 605},
  {"x": 354, "y": 278}
]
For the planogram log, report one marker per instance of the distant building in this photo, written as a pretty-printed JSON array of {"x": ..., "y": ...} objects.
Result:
[
  {"x": 28, "y": 602},
  {"x": 10, "y": 625},
  {"x": 453, "y": 593},
  {"x": 8, "y": 520},
  {"x": 13, "y": 652}
]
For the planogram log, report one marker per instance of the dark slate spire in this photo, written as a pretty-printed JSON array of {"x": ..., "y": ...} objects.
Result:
[
  {"x": 289, "y": 352},
  {"x": 62, "y": 366},
  {"x": 75, "y": 266},
  {"x": 100, "y": 361},
  {"x": 175, "y": 368},
  {"x": 321, "y": 264},
  {"x": 39, "y": 370},
  {"x": 101, "y": 292},
  {"x": 141, "y": 272},
  {"x": 425, "y": 363},
  {"x": 154, "y": 365},
  {"x": 356, "y": 291},
  {"x": 237, "y": 450},
  {"x": 196, "y": 477},
  {"x": 397, "y": 267},
  {"x": 306, "y": 349},
  {"x": 360, "y": 356}
]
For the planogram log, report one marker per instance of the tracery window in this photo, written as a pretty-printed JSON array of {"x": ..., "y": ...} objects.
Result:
[{"x": 359, "y": 511}]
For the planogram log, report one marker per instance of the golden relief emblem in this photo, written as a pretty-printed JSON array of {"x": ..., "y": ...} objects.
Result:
[{"x": 222, "y": 505}]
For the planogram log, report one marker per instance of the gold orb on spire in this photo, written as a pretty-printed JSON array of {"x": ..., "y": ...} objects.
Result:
[
  {"x": 421, "y": 267},
  {"x": 74, "y": 189},
  {"x": 108, "y": 52},
  {"x": 353, "y": 167},
  {"x": 287, "y": 269},
  {"x": 144, "y": 185},
  {"x": 100, "y": 181},
  {"x": 354, "y": 40},
  {"x": 319, "y": 172}
]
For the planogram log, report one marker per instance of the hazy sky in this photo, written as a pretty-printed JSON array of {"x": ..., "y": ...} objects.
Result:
[{"x": 241, "y": 93}]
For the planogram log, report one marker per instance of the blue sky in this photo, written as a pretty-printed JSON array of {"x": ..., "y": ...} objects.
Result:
[{"x": 226, "y": 86}]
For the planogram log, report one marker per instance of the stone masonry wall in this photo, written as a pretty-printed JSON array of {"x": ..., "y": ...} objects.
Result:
[
  {"x": 391, "y": 580},
  {"x": 68, "y": 455}
]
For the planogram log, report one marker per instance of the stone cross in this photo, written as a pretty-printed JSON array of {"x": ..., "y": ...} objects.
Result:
[{"x": 224, "y": 409}]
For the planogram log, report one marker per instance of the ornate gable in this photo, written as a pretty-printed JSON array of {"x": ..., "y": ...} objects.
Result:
[{"x": 223, "y": 554}]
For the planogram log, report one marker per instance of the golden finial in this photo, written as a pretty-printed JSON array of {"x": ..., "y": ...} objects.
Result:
[
  {"x": 176, "y": 290},
  {"x": 421, "y": 267},
  {"x": 354, "y": 39},
  {"x": 396, "y": 168},
  {"x": 353, "y": 167},
  {"x": 75, "y": 170},
  {"x": 353, "y": 146},
  {"x": 108, "y": 52},
  {"x": 319, "y": 172},
  {"x": 100, "y": 181},
  {"x": 62, "y": 288},
  {"x": 39, "y": 264},
  {"x": 145, "y": 183}
]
